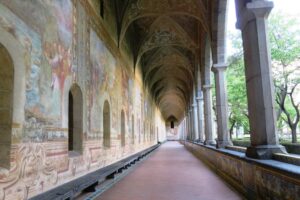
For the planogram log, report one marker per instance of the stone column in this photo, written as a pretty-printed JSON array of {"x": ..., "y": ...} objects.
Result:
[
  {"x": 208, "y": 115},
  {"x": 188, "y": 126},
  {"x": 200, "y": 118},
  {"x": 195, "y": 121},
  {"x": 252, "y": 21},
  {"x": 221, "y": 106}
]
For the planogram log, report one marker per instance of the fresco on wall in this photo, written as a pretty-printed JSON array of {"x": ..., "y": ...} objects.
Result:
[
  {"x": 103, "y": 63},
  {"x": 31, "y": 42},
  {"x": 47, "y": 59},
  {"x": 40, "y": 158},
  {"x": 103, "y": 76},
  {"x": 57, "y": 46},
  {"x": 49, "y": 47}
]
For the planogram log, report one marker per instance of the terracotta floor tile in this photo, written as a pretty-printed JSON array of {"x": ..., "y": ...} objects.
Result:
[{"x": 171, "y": 173}]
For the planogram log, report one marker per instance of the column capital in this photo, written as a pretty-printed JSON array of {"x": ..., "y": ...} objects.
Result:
[
  {"x": 252, "y": 10},
  {"x": 260, "y": 8},
  {"x": 199, "y": 99},
  {"x": 219, "y": 67}
]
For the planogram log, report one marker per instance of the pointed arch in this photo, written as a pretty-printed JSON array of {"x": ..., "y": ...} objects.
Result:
[
  {"x": 123, "y": 128},
  {"x": 75, "y": 122},
  {"x": 106, "y": 124}
]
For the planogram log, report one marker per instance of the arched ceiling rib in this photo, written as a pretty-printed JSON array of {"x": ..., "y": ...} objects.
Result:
[
  {"x": 144, "y": 8},
  {"x": 164, "y": 36}
]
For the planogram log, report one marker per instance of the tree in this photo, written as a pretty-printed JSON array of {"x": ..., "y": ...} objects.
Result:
[
  {"x": 285, "y": 51},
  {"x": 236, "y": 87}
]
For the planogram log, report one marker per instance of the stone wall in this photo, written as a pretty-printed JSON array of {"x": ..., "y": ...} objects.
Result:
[
  {"x": 54, "y": 45},
  {"x": 256, "y": 179}
]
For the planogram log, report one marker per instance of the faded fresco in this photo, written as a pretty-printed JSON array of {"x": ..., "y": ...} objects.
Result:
[
  {"x": 48, "y": 62},
  {"x": 51, "y": 33},
  {"x": 103, "y": 78}
]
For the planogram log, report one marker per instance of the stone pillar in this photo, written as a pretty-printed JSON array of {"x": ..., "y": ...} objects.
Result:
[
  {"x": 208, "y": 115},
  {"x": 252, "y": 21},
  {"x": 195, "y": 121},
  {"x": 200, "y": 118},
  {"x": 223, "y": 139},
  {"x": 188, "y": 126}
]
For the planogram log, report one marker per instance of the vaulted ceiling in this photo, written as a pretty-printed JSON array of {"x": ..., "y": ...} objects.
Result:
[{"x": 166, "y": 38}]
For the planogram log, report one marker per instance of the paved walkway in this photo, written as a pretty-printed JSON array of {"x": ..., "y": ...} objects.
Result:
[{"x": 171, "y": 173}]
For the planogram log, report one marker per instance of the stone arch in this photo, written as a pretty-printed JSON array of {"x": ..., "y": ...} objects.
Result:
[
  {"x": 13, "y": 50},
  {"x": 142, "y": 9},
  {"x": 75, "y": 120},
  {"x": 123, "y": 131},
  {"x": 106, "y": 124}
]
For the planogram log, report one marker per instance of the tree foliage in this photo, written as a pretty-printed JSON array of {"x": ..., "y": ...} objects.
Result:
[
  {"x": 284, "y": 36},
  {"x": 236, "y": 87},
  {"x": 285, "y": 50}
]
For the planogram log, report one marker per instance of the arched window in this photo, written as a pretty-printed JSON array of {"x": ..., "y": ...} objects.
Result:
[
  {"x": 75, "y": 119},
  {"x": 132, "y": 129},
  {"x": 6, "y": 105},
  {"x": 172, "y": 124},
  {"x": 122, "y": 128},
  {"x": 102, "y": 8},
  {"x": 106, "y": 124}
]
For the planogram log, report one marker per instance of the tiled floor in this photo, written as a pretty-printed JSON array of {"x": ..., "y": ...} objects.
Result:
[{"x": 171, "y": 173}]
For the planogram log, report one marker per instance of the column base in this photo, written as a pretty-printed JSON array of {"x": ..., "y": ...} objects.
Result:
[
  {"x": 201, "y": 141},
  {"x": 209, "y": 142},
  {"x": 223, "y": 144},
  {"x": 264, "y": 151}
]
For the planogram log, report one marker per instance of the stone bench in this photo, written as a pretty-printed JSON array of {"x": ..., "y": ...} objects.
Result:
[{"x": 87, "y": 183}]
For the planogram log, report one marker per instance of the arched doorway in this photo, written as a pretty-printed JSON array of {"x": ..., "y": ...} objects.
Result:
[
  {"x": 75, "y": 119},
  {"x": 106, "y": 124},
  {"x": 6, "y": 105}
]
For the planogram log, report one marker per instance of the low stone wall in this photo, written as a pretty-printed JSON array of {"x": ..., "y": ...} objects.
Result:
[
  {"x": 291, "y": 148},
  {"x": 256, "y": 179}
]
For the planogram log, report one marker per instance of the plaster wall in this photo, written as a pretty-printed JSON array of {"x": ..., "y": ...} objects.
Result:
[{"x": 53, "y": 45}]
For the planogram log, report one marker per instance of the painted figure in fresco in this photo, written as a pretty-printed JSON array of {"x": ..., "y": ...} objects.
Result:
[{"x": 59, "y": 59}]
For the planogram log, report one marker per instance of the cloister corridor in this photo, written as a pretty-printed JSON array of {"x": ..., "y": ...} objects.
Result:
[
  {"x": 129, "y": 100},
  {"x": 171, "y": 173}
]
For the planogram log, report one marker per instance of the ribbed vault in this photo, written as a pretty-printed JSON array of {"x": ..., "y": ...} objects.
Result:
[{"x": 165, "y": 37}]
